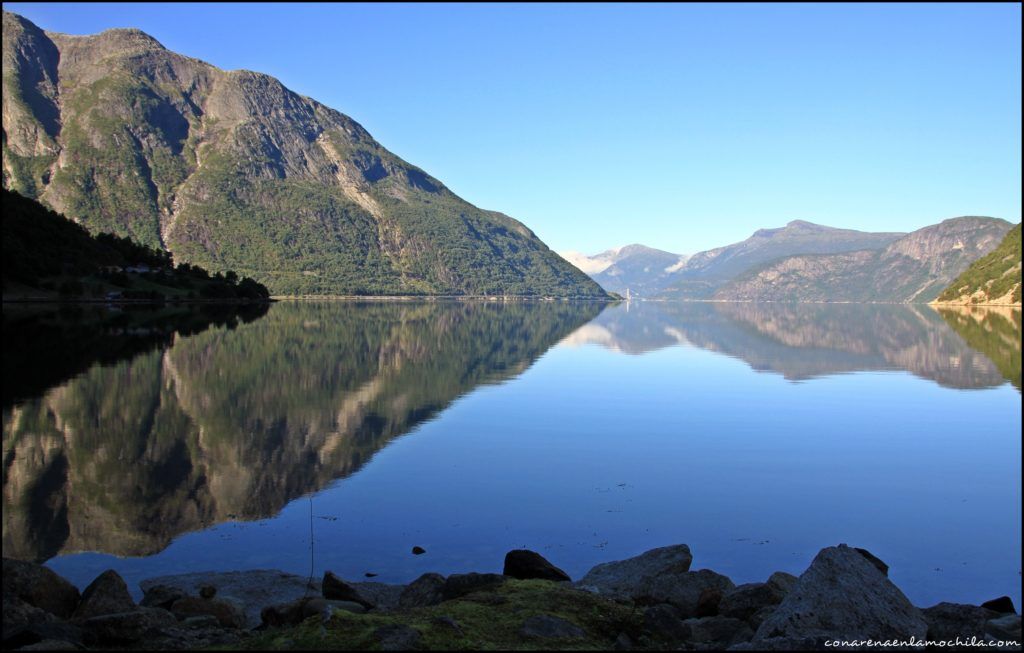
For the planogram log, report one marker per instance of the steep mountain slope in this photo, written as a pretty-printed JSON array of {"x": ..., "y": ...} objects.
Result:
[
  {"x": 705, "y": 272},
  {"x": 640, "y": 269},
  {"x": 914, "y": 268},
  {"x": 231, "y": 170},
  {"x": 992, "y": 279},
  {"x": 45, "y": 254}
]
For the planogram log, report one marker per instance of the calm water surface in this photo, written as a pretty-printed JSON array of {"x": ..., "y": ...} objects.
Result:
[{"x": 757, "y": 434}]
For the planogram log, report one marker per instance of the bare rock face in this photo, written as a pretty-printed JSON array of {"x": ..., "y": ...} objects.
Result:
[
  {"x": 842, "y": 595},
  {"x": 39, "y": 587},
  {"x": 624, "y": 579}
]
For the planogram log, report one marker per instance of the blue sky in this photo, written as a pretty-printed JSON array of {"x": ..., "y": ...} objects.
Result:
[{"x": 682, "y": 127}]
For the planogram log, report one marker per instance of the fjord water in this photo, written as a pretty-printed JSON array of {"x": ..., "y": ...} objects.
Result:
[{"x": 757, "y": 434}]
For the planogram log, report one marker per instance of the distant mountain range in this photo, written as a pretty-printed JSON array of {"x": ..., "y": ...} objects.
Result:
[
  {"x": 230, "y": 170},
  {"x": 643, "y": 271},
  {"x": 804, "y": 261},
  {"x": 914, "y": 268}
]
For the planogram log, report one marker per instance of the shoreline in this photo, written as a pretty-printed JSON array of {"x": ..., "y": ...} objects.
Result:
[{"x": 653, "y": 601}]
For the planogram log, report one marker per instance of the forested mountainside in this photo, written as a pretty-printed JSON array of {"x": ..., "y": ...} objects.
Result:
[{"x": 993, "y": 279}]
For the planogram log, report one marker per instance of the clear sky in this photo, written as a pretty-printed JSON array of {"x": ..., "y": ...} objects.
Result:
[{"x": 683, "y": 127}]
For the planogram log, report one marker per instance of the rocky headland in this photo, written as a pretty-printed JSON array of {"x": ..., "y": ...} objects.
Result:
[{"x": 654, "y": 601}]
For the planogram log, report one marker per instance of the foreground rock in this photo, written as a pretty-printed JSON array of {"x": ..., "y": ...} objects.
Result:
[
  {"x": 694, "y": 593},
  {"x": 525, "y": 564},
  {"x": 107, "y": 594},
  {"x": 127, "y": 627},
  {"x": 425, "y": 591},
  {"x": 746, "y": 601},
  {"x": 459, "y": 585},
  {"x": 625, "y": 579},
  {"x": 338, "y": 590},
  {"x": 227, "y": 613},
  {"x": 842, "y": 595},
  {"x": 947, "y": 621},
  {"x": 40, "y": 587}
]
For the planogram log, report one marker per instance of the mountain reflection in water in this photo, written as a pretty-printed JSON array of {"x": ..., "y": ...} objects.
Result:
[
  {"x": 207, "y": 434},
  {"x": 955, "y": 347},
  {"x": 235, "y": 422}
]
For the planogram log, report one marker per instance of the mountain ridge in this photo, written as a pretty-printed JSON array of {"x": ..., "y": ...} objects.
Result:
[
  {"x": 914, "y": 268},
  {"x": 232, "y": 170}
]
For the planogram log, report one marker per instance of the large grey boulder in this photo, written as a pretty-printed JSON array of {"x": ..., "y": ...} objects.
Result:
[
  {"x": 107, "y": 594},
  {"x": 687, "y": 591},
  {"x": 842, "y": 595},
  {"x": 40, "y": 587},
  {"x": 624, "y": 579}
]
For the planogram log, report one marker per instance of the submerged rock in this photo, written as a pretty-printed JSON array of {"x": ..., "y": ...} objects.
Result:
[
  {"x": 40, "y": 587},
  {"x": 624, "y": 579},
  {"x": 107, "y": 594},
  {"x": 525, "y": 564},
  {"x": 842, "y": 595}
]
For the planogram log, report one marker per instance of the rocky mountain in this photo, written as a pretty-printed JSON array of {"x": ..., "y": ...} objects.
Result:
[
  {"x": 642, "y": 270},
  {"x": 705, "y": 272},
  {"x": 914, "y": 268},
  {"x": 232, "y": 170},
  {"x": 993, "y": 279}
]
